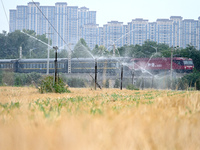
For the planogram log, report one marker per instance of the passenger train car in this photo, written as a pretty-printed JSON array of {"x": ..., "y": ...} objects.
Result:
[{"x": 78, "y": 65}]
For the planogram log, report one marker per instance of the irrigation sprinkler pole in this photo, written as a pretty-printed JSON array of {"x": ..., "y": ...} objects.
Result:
[
  {"x": 121, "y": 76},
  {"x": 114, "y": 49},
  {"x": 69, "y": 58},
  {"x": 20, "y": 52},
  {"x": 95, "y": 86},
  {"x": 171, "y": 66},
  {"x": 132, "y": 73},
  {"x": 56, "y": 48},
  {"x": 152, "y": 82},
  {"x": 48, "y": 49}
]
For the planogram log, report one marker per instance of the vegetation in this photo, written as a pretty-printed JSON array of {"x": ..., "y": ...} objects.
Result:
[
  {"x": 131, "y": 87},
  {"x": 31, "y": 48},
  {"x": 48, "y": 85},
  {"x": 81, "y": 50},
  {"x": 110, "y": 118}
]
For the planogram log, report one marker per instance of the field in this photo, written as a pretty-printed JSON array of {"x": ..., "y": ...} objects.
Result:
[{"x": 108, "y": 119}]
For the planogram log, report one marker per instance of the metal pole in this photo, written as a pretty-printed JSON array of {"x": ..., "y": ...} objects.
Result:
[
  {"x": 48, "y": 51},
  {"x": 95, "y": 86},
  {"x": 56, "y": 48},
  {"x": 142, "y": 83},
  {"x": 152, "y": 82},
  {"x": 48, "y": 56},
  {"x": 69, "y": 59},
  {"x": 132, "y": 73},
  {"x": 114, "y": 49},
  {"x": 121, "y": 76},
  {"x": 20, "y": 52},
  {"x": 171, "y": 66}
]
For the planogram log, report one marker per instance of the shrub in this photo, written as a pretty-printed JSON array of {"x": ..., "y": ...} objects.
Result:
[
  {"x": 21, "y": 79},
  {"x": 190, "y": 80},
  {"x": 131, "y": 87},
  {"x": 47, "y": 85}
]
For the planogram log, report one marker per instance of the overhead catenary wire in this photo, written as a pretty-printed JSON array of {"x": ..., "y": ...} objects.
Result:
[{"x": 5, "y": 12}]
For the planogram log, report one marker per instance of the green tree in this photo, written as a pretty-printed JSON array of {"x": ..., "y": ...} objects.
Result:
[
  {"x": 100, "y": 51},
  {"x": 81, "y": 50},
  {"x": 10, "y": 44}
]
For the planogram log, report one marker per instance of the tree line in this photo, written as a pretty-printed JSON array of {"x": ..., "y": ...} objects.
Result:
[{"x": 10, "y": 44}]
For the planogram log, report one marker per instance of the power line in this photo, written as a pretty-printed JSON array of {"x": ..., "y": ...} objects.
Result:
[{"x": 5, "y": 11}]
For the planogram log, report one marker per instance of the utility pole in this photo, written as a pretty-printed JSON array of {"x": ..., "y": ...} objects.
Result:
[
  {"x": 48, "y": 51},
  {"x": 69, "y": 58},
  {"x": 56, "y": 48},
  {"x": 171, "y": 70},
  {"x": 95, "y": 74},
  {"x": 114, "y": 49},
  {"x": 121, "y": 77},
  {"x": 20, "y": 52}
]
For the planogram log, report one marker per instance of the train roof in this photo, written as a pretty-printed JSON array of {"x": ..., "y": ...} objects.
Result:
[
  {"x": 162, "y": 58},
  {"x": 7, "y": 60},
  {"x": 39, "y": 60}
]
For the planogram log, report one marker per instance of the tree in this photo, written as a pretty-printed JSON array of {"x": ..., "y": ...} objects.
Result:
[
  {"x": 81, "y": 50},
  {"x": 10, "y": 44},
  {"x": 100, "y": 51}
]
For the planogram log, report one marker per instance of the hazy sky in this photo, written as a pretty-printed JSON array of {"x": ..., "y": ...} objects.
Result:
[{"x": 118, "y": 10}]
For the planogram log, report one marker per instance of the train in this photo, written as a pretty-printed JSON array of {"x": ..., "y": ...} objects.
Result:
[
  {"x": 157, "y": 65},
  {"x": 78, "y": 65},
  {"x": 110, "y": 66}
]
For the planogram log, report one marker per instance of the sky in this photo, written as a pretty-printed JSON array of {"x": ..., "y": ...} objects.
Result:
[{"x": 117, "y": 10}]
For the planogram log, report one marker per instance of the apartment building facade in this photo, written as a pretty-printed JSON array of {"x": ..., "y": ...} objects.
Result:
[{"x": 67, "y": 24}]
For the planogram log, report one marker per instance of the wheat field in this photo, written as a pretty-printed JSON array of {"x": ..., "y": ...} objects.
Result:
[{"x": 107, "y": 119}]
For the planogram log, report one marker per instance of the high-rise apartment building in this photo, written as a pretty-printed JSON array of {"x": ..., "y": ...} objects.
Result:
[
  {"x": 72, "y": 23},
  {"x": 61, "y": 23},
  {"x": 164, "y": 31},
  {"x": 85, "y": 17},
  {"x": 45, "y": 27},
  {"x": 13, "y": 20},
  {"x": 152, "y": 26},
  {"x": 176, "y": 31},
  {"x": 190, "y": 30},
  {"x": 198, "y": 33},
  {"x": 22, "y": 17},
  {"x": 91, "y": 35},
  {"x": 137, "y": 31},
  {"x": 33, "y": 17},
  {"x": 101, "y": 36},
  {"x": 113, "y": 32}
]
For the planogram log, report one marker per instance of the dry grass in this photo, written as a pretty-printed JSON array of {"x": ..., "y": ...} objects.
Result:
[{"x": 103, "y": 119}]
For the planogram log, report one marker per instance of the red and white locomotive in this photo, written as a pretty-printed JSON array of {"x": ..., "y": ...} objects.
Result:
[{"x": 156, "y": 65}]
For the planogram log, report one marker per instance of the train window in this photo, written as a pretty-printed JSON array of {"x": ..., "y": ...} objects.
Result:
[
  {"x": 177, "y": 62},
  {"x": 188, "y": 62},
  {"x": 113, "y": 65}
]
